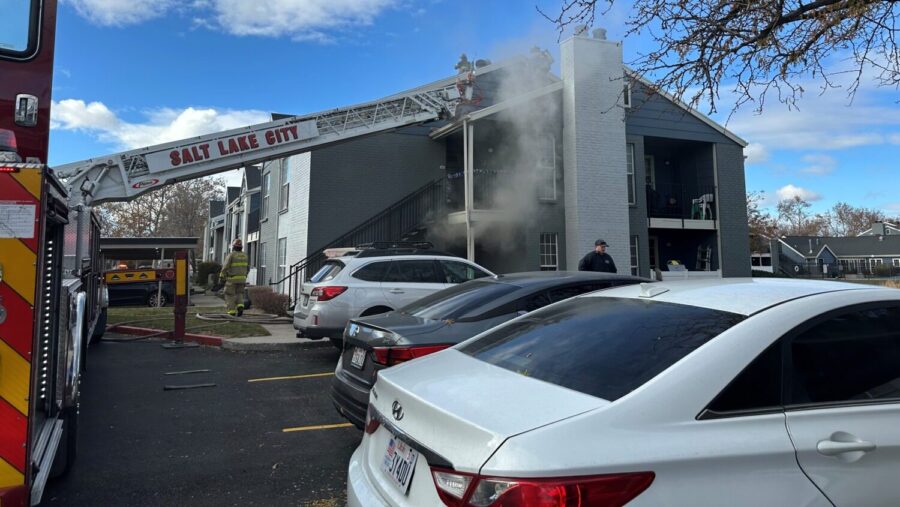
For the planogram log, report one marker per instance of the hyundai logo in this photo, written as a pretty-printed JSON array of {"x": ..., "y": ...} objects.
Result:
[{"x": 397, "y": 410}]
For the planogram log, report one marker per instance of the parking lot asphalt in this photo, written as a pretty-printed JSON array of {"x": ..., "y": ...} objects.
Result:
[{"x": 224, "y": 445}]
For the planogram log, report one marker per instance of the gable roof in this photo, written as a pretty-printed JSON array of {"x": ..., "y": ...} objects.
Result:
[
  {"x": 216, "y": 208},
  {"x": 859, "y": 246},
  {"x": 251, "y": 176},
  {"x": 232, "y": 193}
]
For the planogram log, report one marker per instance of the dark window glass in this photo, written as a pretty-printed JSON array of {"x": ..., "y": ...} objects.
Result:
[
  {"x": 459, "y": 272},
  {"x": 562, "y": 293},
  {"x": 413, "y": 271},
  {"x": 536, "y": 301},
  {"x": 374, "y": 272},
  {"x": 459, "y": 300},
  {"x": 758, "y": 387},
  {"x": 328, "y": 271},
  {"x": 851, "y": 357},
  {"x": 605, "y": 347}
]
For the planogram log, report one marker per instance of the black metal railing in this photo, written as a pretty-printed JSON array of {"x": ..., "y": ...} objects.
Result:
[
  {"x": 391, "y": 224},
  {"x": 488, "y": 188},
  {"x": 682, "y": 201}
]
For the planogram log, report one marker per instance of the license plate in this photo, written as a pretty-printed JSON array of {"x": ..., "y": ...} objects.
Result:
[
  {"x": 359, "y": 358},
  {"x": 399, "y": 463}
]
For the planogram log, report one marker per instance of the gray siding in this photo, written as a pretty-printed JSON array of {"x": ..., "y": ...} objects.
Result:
[
  {"x": 733, "y": 229},
  {"x": 353, "y": 181},
  {"x": 653, "y": 115}
]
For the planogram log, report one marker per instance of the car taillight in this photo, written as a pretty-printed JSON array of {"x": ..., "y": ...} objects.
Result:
[
  {"x": 457, "y": 489},
  {"x": 389, "y": 356},
  {"x": 372, "y": 422},
  {"x": 326, "y": 293}
]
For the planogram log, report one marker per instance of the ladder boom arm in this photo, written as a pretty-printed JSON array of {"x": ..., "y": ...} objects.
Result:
[{"x": 126, "y": 175}]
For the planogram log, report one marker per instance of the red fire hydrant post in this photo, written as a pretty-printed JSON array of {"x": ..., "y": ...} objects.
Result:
[{"x": 181, "y": 294}]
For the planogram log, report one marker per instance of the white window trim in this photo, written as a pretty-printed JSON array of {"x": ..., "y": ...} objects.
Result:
[
  {"x": 554, "y": 256},
  {"x": 264, "y": 205},
  {"x": 551, "y": 169},
  {"x": 896, "y": 262},
  {"x": 626, "y": 95},
  {"x": 635, "y": 245},
  {"x": 284, "y": 194},
  {"x": 629, "y": 173}
]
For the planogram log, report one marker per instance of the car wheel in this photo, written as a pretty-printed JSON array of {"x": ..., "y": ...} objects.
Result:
[
  {"x": 376, "y": 310},
  {"x": 151, "y": 299}
]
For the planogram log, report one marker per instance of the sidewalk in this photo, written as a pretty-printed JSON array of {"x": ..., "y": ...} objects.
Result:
[{"x": 282, "y": 336}]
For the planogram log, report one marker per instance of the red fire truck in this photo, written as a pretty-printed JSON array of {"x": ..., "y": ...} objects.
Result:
[{"x": 51, "y": 294}]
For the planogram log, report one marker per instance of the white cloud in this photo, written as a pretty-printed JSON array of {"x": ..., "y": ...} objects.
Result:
[
  {"x": 161, "y": 125},
  {"x": 894, "y": 138},
  {"x": 298, "y": 19},
  {"x": 120, "y": 12},
  {"x": 790, "y": 191},
  {"x": 819, "y": 164},
  {"x": 756, "y": 154}
]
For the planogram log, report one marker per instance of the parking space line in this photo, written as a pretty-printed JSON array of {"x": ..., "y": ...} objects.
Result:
[
  {"x": 292, "y": 377},
  {"x": 317, "y": 427}
]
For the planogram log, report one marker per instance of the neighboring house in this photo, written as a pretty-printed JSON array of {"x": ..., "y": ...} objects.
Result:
[
  {"x": 556, "y": 163},
  {"x": 874, "y": 253},
  {"x": 214, "y": 232}
]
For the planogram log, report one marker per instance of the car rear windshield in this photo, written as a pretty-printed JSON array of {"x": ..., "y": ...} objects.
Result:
[
  {"x": 459, "y": 300},
  {"x": 328, "y": 271},
  {"x": 605, "y": 347}
]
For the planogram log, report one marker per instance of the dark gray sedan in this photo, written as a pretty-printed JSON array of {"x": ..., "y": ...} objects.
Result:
[{"x": 444, "y": 319}]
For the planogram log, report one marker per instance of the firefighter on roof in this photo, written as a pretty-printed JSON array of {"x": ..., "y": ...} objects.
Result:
[{"x": 234, "y": 272}]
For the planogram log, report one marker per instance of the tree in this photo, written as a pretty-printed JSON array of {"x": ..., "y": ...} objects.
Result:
[
  {"x": 846, "y": 220},
  {"x": 794, "y": 219},
  {"x": 761, "y": 46},
  {"x": 763, "y": 226},
  {"x": 173, "y": 210}
]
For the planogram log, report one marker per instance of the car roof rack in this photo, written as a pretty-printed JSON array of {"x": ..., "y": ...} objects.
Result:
[{"x": 389, "y": 248}]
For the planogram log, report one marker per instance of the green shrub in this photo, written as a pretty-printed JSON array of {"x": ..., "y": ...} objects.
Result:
[
  {"x": 263, "y": 298},
  {"x": 203, "y": 271}
]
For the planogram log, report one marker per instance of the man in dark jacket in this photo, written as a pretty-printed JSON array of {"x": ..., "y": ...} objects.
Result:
[{"x": 598, "y": 260}]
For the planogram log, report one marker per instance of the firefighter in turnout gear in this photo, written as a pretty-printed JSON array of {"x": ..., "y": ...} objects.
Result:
[{"x": 234, "y": 272}]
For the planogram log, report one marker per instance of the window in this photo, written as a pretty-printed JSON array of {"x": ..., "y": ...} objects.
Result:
[
  {"x": 282, "y": 261},
  {"x": 373, "y": 272},
  {"x": 604, "y": 347},
  {"x": 459, "y": 300},
  {"x": 18, "y": 28},
  {"x": 327, "y": 272},
  {"x": 549, "y": 251},
  {"x": 422, "y": 271},
  {"x": 626, "y": 95},
  {"x": 756, "y": 388},
  {"x": 266, "y": 185},
  {"x": 629, "y": 171},
  {"x": 285, "y": 194},
  {"x": 854, "y": 356},
  {"x": 459, "y": 272},
  {"x": 547, "y": 169},
  {"x": 635, "y": 265},
  {"x": 261, "y": 272},
  {"x": 896, "y": 262}
]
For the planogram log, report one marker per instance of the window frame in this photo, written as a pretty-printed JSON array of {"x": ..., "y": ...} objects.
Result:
[
  {"x": 284, "y": 192},
  {"x": 635, "y": 254},
  {"x": 786, "y": 340},
  {"x": 281, "y": 269},
  {"x": 35, "y": 29},
  {"x": 548, "y": 179},
  {"x": 554, "y": 255},
  {"x": 629, "y": 174},
  {"x": 266, "y": 189},
  {"x": 261, "y": 265},
  {"x": 626, "y": 94}
]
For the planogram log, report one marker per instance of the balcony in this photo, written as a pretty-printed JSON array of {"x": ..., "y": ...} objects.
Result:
[{"x": 682, "y": 206}]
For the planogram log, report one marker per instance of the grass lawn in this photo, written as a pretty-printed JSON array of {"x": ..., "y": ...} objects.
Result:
[{"x": 142, "y": 316}]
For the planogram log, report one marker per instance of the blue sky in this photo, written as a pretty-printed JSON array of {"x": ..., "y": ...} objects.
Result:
[{"x": 135, "y": 72}]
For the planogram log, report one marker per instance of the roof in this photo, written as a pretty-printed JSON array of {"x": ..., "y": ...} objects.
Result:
[
  {"x": 856, "y": 246},
  {"x": 890, "y": 228},
  {"x": 252, "y": 176},
  {"x": 216, "y": 208},
  {"x": 531, "y": 279},
  {"x": 744, "y": 296},
  {"x": 145, "y": 248},
  {"x": 232, "y": 193}
]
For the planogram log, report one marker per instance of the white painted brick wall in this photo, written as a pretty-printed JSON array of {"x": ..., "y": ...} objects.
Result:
[
  {"x": 299, "y": 168},
  {"x": 594, "y": 149}
]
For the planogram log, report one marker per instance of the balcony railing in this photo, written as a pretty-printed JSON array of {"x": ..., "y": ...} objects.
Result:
[
  {"x": 489, "y": 184},
  {"x": 686, "y": 202}
]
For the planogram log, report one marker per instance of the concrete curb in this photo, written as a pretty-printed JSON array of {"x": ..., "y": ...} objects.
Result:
[{"x": 267, "y": 343}]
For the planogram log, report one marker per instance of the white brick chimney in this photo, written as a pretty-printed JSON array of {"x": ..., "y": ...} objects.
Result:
[{"x": 594, "y": 157}]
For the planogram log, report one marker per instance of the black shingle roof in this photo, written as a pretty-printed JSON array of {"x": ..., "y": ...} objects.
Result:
[
  {"x": 847, "y": 247},
  {"x": 216, "y": 208}
]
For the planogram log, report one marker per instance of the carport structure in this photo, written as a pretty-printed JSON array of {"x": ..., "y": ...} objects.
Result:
[{"x": 178, "y": 250}]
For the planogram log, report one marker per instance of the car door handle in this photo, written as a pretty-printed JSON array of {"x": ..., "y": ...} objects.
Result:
[
  {"x": 396, "y": 291},
  {"x": 834, "y": 448}
]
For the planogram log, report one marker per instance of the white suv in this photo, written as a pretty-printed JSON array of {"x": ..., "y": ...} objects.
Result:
[{"x": 372, "y": 282}]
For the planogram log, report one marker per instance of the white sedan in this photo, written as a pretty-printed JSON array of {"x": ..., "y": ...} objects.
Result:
[{"x": 734, "y": 392}]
